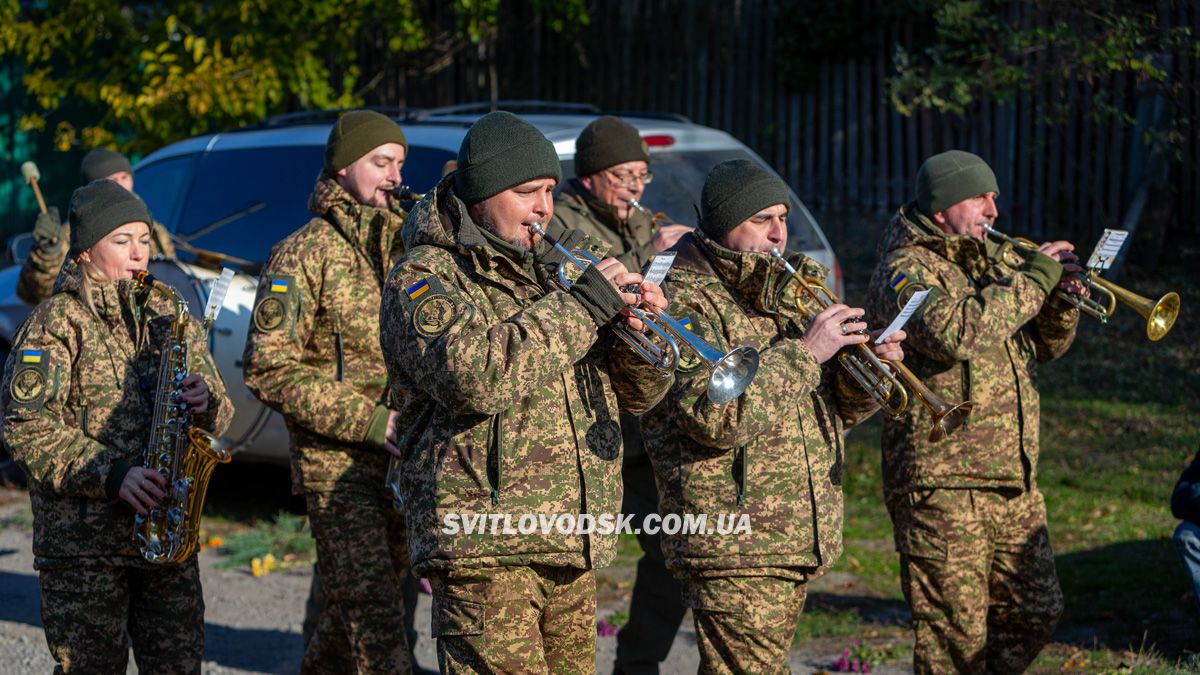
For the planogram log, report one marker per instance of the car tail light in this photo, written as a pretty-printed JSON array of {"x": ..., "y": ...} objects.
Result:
[{"x": 659, "y": 140}]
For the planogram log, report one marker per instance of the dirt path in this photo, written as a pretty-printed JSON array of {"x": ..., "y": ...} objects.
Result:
[{"x": 253, "y": 625}]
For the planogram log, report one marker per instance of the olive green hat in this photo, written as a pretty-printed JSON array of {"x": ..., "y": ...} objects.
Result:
[
  {"x": 355, "y": 134},
  {"x": 499, "y": 151},
  {"x": 946, "y": 179},
  {"x": 735, "y": 190},
  {"x": 608, "y": 141},
  {"x": 99, "y": 208}
]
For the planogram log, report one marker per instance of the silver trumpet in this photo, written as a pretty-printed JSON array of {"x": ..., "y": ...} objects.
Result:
[
  {"x": 730, "y": 373},
  {"x": 635, "y": 204}
]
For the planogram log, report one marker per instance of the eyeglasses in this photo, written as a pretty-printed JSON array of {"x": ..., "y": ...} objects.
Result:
[{"x": 629, "y": 179}]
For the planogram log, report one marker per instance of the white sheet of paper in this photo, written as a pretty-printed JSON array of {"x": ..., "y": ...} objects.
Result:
[
  {"x": 216, "y": 296},
  {"x": 659, "y": 266},
  {"x": 905, "y": 314},
  {"x": 1107, "y": 249}
]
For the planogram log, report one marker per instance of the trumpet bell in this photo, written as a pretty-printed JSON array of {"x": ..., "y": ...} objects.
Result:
[
  {"x": 1161, "y": 317},
  {"x": 948, "y": 419},
  {"x": 732, "y": 374}
]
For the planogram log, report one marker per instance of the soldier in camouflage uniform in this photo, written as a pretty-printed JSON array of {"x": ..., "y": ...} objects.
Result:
[
  {"x": 312, "y": 354},
  {"x": 774, "y": 455},
  {"x": 78, "y": 399},
  {"x": 613, "y": 163},
  {"x": 509, "y": 392},
  {"x": 970, "y": 522},
  {"x": 51, "y": 236}
]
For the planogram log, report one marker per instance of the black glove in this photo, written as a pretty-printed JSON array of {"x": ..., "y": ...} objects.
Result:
[
  {"x": 48, "y": 229},
  {"x": 597, "y": 296}
]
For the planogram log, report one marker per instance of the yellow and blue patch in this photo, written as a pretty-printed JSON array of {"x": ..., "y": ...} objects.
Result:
[
  {"x": 417, "y": 290},
  {"x": 279, "y": 286},
  {"x": 899, "y": 281},
  {"x": 31, "y": 356},
  {"x": 686, "y": 322}
]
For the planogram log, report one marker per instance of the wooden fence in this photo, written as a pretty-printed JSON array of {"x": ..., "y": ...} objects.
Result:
[{"x": 838, "y": 142}]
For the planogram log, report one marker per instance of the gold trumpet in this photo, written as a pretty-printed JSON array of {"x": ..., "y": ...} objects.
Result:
[
  {"x": 730, "y": 373},
  {"x": 1160, "y": 315},
  {"x": 888, "y": 382}
]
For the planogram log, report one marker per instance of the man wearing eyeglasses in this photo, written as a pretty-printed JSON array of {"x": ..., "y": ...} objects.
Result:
[{"x": 612, "y": 163}]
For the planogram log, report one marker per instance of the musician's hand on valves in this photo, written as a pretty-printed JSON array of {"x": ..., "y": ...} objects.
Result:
[
  {"x": 1064, "y": 252},
  {"x": 835, "y": 327},
  {"x": 890, "y": 348},
  {"x": 142, "y": 488},
  {"x": 194, "y": 392},
  {"x": 649, "y": 298}
]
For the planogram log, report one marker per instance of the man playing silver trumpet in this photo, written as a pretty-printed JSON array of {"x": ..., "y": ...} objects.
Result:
[{"x": 773, "y": 456}]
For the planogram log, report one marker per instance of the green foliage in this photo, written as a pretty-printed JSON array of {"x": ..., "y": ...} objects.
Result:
[
  {"x": 287, "y": 538},
  {"x": 148, "y": 73}
]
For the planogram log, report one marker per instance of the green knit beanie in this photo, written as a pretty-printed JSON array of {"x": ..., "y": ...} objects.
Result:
[
  {"x": 735, "y": 190},
  {"x": 608, "y": 141},
  {"x": 946, "y": 179},
  {"x": 499, "y": 151},
  {"x": 355, "y": 134},
  {"x": 102, "y": 163},
  {"x": 99, "y": 208}
]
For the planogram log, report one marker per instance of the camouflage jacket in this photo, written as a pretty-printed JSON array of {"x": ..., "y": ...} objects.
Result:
[
  {"x": 44, "y": 263},
  {"x": 509, "y": 400},
  {"x": 78, "y": 399},
  {"x": 312, "y": 352},
  {"x": 979, "y": 336},
  {"x": 775, "y": 454},
  {"x": 631, "y": 240}
]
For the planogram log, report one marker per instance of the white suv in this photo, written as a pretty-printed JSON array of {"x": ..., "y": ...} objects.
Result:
[{"x": 238, "y": 193}]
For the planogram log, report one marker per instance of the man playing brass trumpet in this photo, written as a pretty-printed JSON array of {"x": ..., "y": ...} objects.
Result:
[
  {"x": 775, "y": 454},
  {"x": 970, "y": 523},
  {"x": 508, "y": 389}
]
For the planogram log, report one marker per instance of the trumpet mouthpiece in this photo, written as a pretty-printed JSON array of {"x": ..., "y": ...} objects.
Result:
[{"x": 30, "y": 172}]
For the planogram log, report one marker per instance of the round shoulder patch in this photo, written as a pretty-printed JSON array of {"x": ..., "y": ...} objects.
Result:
[
  {"x": 433, "y": 315},
  {"x": 907, "y": 292},
  {"x": 269, "y": 314},
  {"x": 28, "y": 385}
]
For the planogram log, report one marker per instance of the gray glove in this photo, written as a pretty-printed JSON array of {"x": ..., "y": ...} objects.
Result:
[{"x": 48, "y": 229}]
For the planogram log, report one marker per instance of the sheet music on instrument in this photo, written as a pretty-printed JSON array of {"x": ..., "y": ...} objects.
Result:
[
  {"x": 658, "y": 268},
  {"x": 1107, "y": 249},
  {"x": 905, "y": 314},
  {"x": 216, "y": 296}
]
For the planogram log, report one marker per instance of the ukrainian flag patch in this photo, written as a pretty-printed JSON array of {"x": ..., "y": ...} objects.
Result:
[
  {"x": 899, "y": 281},
  {"x": 686, "y": 322},
  {"x": 31, "y": 356},
  {"x": 417, "y": 290},
  {"x": 279, "y": 286}
]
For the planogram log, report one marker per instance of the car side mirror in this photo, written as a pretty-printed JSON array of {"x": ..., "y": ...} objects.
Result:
[{"x": 19, "y": 246}]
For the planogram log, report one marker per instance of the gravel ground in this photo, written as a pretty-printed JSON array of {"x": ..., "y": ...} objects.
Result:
[{"x": 253, "y": 624}]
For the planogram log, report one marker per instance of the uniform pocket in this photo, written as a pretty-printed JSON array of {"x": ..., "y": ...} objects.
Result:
[
  {"x": 923, "y": 544},
  {"x": 455, "y": 616}
]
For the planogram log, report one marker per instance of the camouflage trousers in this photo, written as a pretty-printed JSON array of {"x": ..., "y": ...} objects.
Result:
[
  {"x": 92, "y": 613},
  {"x": 978, "y": 573},
  {"x": 744, "y": 624},
  {"x": 530, "y": 619},
  {"x": 362, "y": 550}
]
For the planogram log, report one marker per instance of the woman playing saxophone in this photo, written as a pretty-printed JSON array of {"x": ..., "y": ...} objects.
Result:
[{"x": 79, "y": 395}]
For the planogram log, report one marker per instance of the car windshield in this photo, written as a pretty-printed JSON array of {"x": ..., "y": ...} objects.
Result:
[
  {"x": 678, "y": 179},
  {"x": 241, "y": 202}
]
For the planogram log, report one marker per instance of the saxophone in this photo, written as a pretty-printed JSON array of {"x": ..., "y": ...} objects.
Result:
[{"x": 181, "y": 453}]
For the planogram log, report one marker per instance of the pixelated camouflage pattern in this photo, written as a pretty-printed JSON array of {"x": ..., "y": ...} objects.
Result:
[
  {"x": 511, "y": 406},
  {"x": 775, "y": 453},
  {"x": 529, "y": 619},
  {"x": 47, "y": 260},
  {"x": 745, "y": 624},
  {"x": 320, "y": 366},
  {"x": 631, "y": 240},
  {"x": 978, "y": 572},
  {"x": 97, "y": 412},
  {"x": 362, "y": 551},
  {"x": 92, "y": 613},
  {"x": 979, "y": 336}
]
